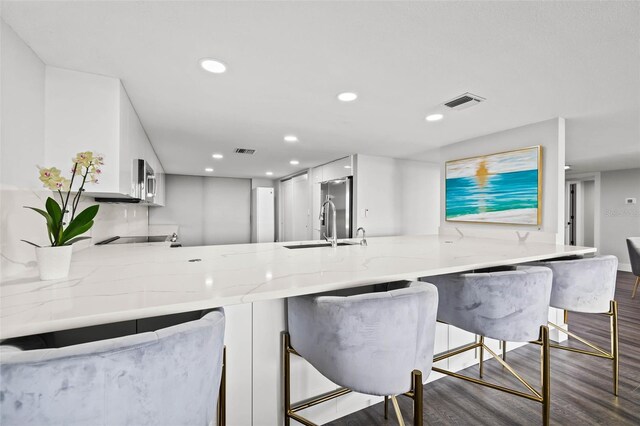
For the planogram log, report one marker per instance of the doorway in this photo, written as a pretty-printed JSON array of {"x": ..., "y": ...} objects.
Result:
[
  {"x": 572, "y": 214},
  {"x": 582, "y": 210}
]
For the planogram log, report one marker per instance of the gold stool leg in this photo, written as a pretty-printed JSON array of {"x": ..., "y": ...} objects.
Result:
[
  {"x": 286, "y": 371},
  {"x": 635, "y": 288},
  {"x": 222, "y": 393},
  {"x": 546, "y": 375},
  {"x": 396, "y": 408},
  {"x": 481, "y": 356},
  {"x": 417, "y": 397},
  {"x": 614, "y": 344},
  {"x": 386, "y": 407}
]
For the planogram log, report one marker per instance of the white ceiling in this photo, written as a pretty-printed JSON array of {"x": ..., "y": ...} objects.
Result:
[{"x": 288, "y": 60}]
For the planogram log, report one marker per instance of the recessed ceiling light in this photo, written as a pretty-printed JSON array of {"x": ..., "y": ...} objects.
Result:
[
  {"x": 434, "y": 117},
  {"x": 213, "y": 66},
  {"x": 269, "y": 173},
  {"x": 347, "y": 96},
  {"x": 294, "y": 162},
  {"x": 217, "y": 156},
  {"x": 347, "y": 167},
  {"x": 567, "y": 167},
  {"x": 291, "y": 138},
  {"x": 208, "y": 170}
]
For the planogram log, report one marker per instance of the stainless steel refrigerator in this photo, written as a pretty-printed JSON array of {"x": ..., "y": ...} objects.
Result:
[{"x": 340, "y": 192}]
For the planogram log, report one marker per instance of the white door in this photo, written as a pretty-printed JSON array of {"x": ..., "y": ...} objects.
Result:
[{"x": 295, "y": 208}]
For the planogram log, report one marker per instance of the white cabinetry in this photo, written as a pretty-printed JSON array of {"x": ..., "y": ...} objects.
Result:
[
  {"x": 337, "y": 169},
  {"x": 88, "y": 112},
  {"x": 294, "y": 197},
  {"x": 262, "y": 215}
]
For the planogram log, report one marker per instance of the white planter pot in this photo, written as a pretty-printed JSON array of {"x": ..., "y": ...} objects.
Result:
[{"x": 54, "y": 262}]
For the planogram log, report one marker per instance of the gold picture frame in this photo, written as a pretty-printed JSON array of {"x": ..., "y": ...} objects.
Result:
[{"x": 475, "y": 185}]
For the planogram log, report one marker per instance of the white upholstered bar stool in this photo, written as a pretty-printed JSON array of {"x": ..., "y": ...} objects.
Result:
[
  {"x": 377, "y": 343},
  {"x": 168, "y": 377},
  {"x": 587, "y": 285},
  {"x": 511, "y": 305},
  {"x": 633, "y": 245}
]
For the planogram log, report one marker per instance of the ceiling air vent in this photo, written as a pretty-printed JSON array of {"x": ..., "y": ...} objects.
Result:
[
  {"x": 464, "y": 101},
  {"x": 245, "y": 151}
]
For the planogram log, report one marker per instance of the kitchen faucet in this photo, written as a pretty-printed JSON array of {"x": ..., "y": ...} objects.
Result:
[
  {"x": 363, "y": 242},
  {"x": 334, "y": 230}
]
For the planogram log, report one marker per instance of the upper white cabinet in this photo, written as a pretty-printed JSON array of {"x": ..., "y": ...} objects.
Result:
[
  {"x": 88, "y": 112},
  {"x": 337, "y": 169},
  {"x": 334, "y": 170}
]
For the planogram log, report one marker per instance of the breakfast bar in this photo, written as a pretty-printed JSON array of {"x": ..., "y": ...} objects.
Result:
[{"x": 112, "y": 284}]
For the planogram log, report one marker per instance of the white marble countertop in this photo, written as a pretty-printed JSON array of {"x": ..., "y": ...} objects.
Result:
[{"x": 123, "y": 282}]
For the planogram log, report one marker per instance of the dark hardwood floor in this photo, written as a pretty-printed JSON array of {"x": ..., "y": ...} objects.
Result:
[{"x": 581, "y": 386}]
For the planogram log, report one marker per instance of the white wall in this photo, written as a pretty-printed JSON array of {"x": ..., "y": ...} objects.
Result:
[
  {"x": 396, "y": 197},
  {"x": 22, "y": 148},
  {"x": 618, "y": 220},
  {"x": 227, "y": 211},
  {"x": 551, "y": 135},
  {"x": 420, "y": 197},
  {"x": 208, "y": 210}
]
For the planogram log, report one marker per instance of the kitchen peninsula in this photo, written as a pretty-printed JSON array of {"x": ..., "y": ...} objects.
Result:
[{"x": 117, "y": 283}]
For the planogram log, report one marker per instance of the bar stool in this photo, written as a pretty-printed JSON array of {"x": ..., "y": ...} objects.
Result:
[
  {"x": 633, "y": 245},
  {"x": 508, "y": 305},
  {"x": 587, "y": 285},
  {"x": 171, "y": 376},
  {"x": 378, "y": 343}
]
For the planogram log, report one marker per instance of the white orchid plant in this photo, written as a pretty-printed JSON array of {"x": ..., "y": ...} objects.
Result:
[{"x": 86, "y": 166}]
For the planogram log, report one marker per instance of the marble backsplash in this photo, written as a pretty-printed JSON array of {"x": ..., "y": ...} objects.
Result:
[{"x": 18, "y": 223}]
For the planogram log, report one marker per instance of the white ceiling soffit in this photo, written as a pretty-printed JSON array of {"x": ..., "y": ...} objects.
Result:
[{"x": 287, "y": 61}]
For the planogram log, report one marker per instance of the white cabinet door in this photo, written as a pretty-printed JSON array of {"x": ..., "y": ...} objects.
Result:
[
  {"x": 135, "y": 145},
  {"x": 301, "y": 211},
  {"x": 296, "y": 209},
  {"x": 337, "y": 169},
  {"x": 262, "y": 215},
  {"x": 317, "y": 175},
  {"x": 132, "y": 143},
  {"x": 238, "y": 340},
  {"x": 82, "y": 114}
]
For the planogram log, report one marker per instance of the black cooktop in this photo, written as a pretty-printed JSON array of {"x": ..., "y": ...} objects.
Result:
[{"x": 132, "y": 239}]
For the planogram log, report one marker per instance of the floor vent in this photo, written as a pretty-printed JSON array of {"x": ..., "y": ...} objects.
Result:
[
  {"x": 248, "y": 151},
  {"x": 464, "y": 101}
]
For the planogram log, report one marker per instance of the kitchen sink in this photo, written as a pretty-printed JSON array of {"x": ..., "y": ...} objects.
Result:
[{"x": 302, "y": 246}]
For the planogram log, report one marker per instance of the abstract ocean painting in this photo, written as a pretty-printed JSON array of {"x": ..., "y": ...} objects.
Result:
[{"x": 496, "y": 188}]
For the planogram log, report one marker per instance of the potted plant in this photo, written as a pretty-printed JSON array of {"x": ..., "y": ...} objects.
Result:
[{"x": 64, "y": 226}]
